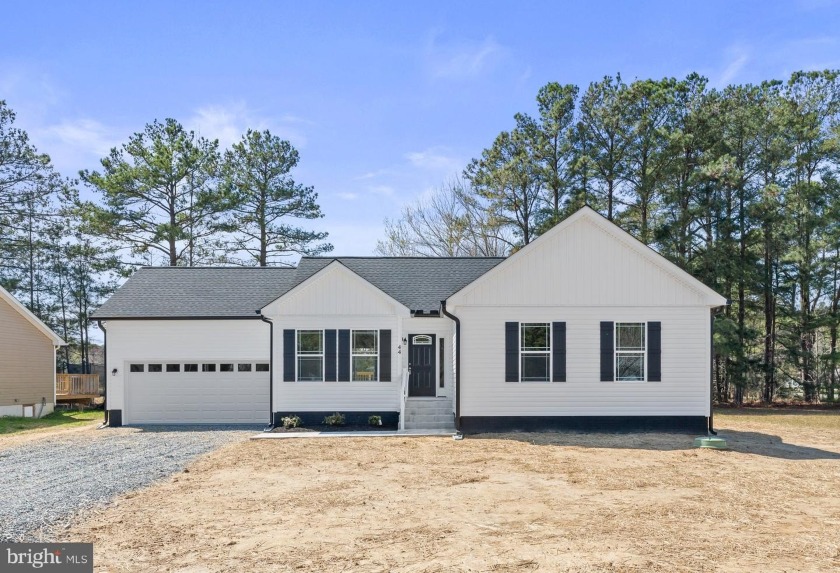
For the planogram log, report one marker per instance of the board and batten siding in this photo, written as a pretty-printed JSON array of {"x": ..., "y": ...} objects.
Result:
[
  {"x": 146, "y": 341},
  {"x": 27, "y": 362},
  {"x": 580, "y": 265},
  {"x": 683, "y": 391},
  {"x": 336, "y": 298}
]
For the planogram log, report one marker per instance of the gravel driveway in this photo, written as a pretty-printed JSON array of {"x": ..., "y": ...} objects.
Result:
[{"x": 44, "y": 483}]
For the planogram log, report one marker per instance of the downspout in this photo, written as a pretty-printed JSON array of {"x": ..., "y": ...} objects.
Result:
[
  {"x": 104, "y": 371},
  {"x": 712, "y": 372},
  {"x": 270, "y": 373},
  {"x": 457, "y": 363}
]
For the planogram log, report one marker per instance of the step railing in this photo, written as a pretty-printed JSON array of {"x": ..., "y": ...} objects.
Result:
[{"x": 404, "y": 396}]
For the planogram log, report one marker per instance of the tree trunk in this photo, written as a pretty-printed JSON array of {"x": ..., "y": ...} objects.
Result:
[{"x": 769, "y": 317}]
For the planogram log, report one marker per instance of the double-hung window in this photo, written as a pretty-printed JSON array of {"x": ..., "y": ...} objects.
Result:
[
  {"x": 630, "y": 349},
  {"x": 535, "y": 352},
  {"x": 364, "y": 350},
  {"x": 310, "y": 355}
]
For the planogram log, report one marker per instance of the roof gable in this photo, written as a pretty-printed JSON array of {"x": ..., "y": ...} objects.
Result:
[
  {"x": 587, "y": 260},
  {"x": 334, "y": 290},
  {"x": 31, "y": 318}
]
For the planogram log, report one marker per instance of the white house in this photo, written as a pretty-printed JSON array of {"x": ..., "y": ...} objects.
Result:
[{"x": 584, "y": 328}]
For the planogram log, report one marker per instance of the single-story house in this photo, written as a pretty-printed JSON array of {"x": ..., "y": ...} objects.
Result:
[
  {"x": 27, "y": 361},
  {"x": 585, "y": 327}
]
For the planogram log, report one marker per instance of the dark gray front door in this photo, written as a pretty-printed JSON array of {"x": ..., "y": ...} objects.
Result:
[{"x": 421, "y": 360}]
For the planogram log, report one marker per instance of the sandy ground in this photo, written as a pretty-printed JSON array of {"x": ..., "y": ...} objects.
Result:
[{"x": 516, "y": 502}]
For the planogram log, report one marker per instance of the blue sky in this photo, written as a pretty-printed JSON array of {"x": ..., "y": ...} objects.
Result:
[{"x": 384, "y": 100}]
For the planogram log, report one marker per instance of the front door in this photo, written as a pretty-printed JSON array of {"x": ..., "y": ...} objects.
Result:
[{"x": 421, "y": 361}]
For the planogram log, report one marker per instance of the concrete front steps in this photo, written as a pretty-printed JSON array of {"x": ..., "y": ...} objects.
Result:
[{"x": 429, "y": 414}]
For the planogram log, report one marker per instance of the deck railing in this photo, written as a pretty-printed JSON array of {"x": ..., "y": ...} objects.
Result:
[{"x": 77, "y": 385}]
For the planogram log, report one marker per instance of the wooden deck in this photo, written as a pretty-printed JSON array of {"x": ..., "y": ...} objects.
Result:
[{"x": 70, "y": 387}]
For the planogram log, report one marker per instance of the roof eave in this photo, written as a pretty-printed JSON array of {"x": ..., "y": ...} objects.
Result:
[{"x": 179, "y": 317}]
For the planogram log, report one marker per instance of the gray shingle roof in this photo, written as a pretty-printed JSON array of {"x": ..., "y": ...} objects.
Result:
[
  {"x": 419, "y": 283},
  {"x": 177, "y": 292}
]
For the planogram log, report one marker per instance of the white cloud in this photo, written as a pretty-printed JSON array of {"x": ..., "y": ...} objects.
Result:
[
  {"x": 435, "y": 159},
  {"x": 459, "y": 60},
  {"x": 372, "y": 174},
  {"x": 228, "y": 123},
  {"x": 75, "y": 144},
  {"x": 738, "y": 57},
  {"x": 29, "y": 93},
  {"x": 347, "y": 196},
  {"x": 86, "y": 134},
  {"x": 385, "y": 190}
]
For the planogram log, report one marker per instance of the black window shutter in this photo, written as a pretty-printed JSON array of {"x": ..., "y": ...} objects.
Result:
[
  {"x": 329, "y": 355},
  {"x": 344, "y": 355},
  {"x": 558, "y": 351},
  {"x": 607, "y": 352},
  {"x": 384, "y": 355},
  {"x": 654, "y": 351},
  {"x": 288, "y": 355},
  {"x": 511, "y": 352}
]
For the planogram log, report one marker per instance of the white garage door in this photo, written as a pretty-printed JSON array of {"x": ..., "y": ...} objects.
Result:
[{"x": 195, "y": 392}]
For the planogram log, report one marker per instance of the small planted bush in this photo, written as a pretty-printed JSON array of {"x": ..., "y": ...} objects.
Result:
[
  {"x": 291, "y": 421},
  {"x": 375, "y": 420},
  {"x": 336, "y": 419}
]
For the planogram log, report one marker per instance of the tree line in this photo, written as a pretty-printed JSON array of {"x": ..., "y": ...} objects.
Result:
[
  {"x": 738, "y": 186},
  {"x": 165, "y": 197}
]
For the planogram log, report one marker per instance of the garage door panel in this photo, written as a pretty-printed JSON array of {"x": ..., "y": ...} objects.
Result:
[{"x": 197, "y": 397}]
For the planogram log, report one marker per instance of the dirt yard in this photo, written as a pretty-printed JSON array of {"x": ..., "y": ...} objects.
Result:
[{"x": 515, "y": 502}]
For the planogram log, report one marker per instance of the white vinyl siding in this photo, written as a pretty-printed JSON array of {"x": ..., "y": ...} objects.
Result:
[
  {"x": 164, "y": 342},
  {"x": 684, "y": 390},
  {"x": 337, "y": 396}
]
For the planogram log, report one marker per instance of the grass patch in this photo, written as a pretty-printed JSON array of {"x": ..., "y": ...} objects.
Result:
[
  {"x": 793, "y": 418},
  {"x": 64, "y": 418}
]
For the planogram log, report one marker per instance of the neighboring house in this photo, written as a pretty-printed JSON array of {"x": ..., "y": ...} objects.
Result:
[
  {"x": 27, "y": 361},
  {"x": 585, "y": 327}
]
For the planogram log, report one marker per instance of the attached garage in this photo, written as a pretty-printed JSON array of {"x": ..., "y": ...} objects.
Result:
[
  {"x": 188, "y": 345},
  {"x": 193, "y": 392}
]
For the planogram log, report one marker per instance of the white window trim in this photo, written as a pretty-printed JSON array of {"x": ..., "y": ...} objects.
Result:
[
  {"x": 537, "y": 352},
  {"x": 354, "y": 355},
  {"x": 643, "y": 352},
  {"x": 298, "y": 355}
]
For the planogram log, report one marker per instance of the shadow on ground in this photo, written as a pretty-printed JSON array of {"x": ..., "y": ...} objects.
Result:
[
  {"x": 158, "y": 428},
  {"x": 754, "y": 443}
]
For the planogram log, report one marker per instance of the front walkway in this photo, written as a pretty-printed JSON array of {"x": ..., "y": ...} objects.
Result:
[{"x": 378, "y": 433}]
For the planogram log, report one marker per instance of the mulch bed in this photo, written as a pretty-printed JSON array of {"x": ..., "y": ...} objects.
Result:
[{"x": 325, "y": 428}]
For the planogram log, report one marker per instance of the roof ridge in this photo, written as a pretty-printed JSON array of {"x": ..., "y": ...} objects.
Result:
[
  {"x": 226, "y": 268},
  {"x": 372, "y": 257}
]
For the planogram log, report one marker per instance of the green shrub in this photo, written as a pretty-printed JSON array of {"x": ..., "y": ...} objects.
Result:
[
  {"x": 291, "y": 422},
  {"x": 375, "y": 420},
  {"x": 336, "y": 419}
]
